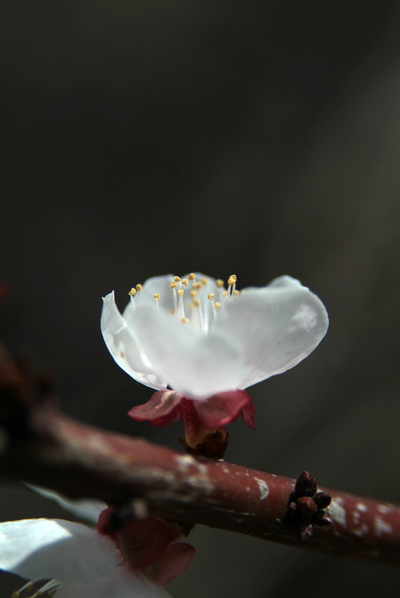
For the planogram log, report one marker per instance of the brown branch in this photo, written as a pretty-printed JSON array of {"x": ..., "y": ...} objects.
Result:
[{"x": 40, "y": 445}]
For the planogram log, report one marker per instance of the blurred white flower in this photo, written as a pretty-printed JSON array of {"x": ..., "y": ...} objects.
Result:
[
  {"x": 80, "y": 562},
  {"x": 201, "y": 339},
  {"x": 84, "y": 509}
]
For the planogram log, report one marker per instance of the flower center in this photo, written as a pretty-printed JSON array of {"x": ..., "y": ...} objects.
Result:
[{"x": 190, "y": 302}]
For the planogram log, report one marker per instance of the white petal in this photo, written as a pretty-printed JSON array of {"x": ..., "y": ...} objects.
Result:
[
  {"x": 123, "y": 584},
  {"x": 84, "y": 509},
  {"x": 124, "y": 348},
  {"x": 194, "y": 365},
  {"x": 277, "y": 326},
  {"x": 45, "y": 548}
]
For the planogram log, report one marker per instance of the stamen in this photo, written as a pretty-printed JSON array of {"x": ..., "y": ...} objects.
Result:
[
  {"x": 217, "y": 305},
  {"x": 219, "y": 283},
  {"x": 204, "y": 281},
  {"x": 198, "y": 286},
  {"x": 184, "y": 321},
  {"x": 48, "y": 589},
  {"x": 236, "y": 293},
  {"x": 193, "y": 294},
  {"x": 225, "y": 294},
  {"x": 172, "y": 312},
  {"x": 181, "y": 307},
  {"x": 157, "y": 298},
  {"x": 139, "y": 288},
  {"x": 211, "y": 298},
  {"x": 184, "y": 282},
  {"x": 29, "y": 587},
  {"x": 192, "y": 276},
  {"x": 232, "y": 283},
  {"x": 173, "y": 285},
  {"x": 132, "y": 292},
  {"x": 177, "y": 279}
]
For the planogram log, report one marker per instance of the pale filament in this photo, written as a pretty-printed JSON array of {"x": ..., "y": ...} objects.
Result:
[
  {"x": 181, "y": 307},
  {"x": 211, "y": 298}
]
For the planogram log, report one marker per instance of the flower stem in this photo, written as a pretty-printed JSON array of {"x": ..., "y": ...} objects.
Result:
[{"x": 199, "y": 439}]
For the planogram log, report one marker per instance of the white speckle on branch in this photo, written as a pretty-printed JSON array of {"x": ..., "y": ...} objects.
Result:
[
  {"x": 382, "y": 527},
  {"x": 337, "y": 512},
  {"x": 384, "y": 509},
  {"x": 264, "y": 490},
  {"x": 361, "y": 531}
]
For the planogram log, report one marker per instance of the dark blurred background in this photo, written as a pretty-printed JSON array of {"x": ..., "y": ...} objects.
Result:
[{"x": 255, "y": 138}]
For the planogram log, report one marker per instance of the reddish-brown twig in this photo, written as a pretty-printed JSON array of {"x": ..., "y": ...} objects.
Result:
[{"x": 41, "y": 446}]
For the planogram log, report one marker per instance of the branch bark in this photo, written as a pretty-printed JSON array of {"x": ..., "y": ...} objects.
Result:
[{"x": 40, "y": 445}]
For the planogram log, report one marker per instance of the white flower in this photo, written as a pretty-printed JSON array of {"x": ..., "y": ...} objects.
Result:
[
  {"x": 81, "y": 562},
  {"x": 213, "y": 340}
]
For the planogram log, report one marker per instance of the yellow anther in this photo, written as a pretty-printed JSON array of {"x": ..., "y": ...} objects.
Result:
[
  {"x": 236, "y": 293},
  {"x": 211, "y": 296},
  {"x": 232, "y": 279},
  {"x": 177, "y": 279},
  {"x": 180, "y": 292},
  {"x": 198, "y": 286},
  {"x": 195, "y": 303},
  {"x": 204, "y": 281},
  {"x": 139, "y": 288},
  {"x": 219, "y": 283},
  {"x": 173, "y": 285},
  {"x": 184, "y": 282},
  {"x": 193, "y": 294},
  {"x": 185, "y": 321},
  {"x": 132, "y": 292},
  {"x": 156, "y": 296},
  {"x": 217, "y": 305},
  {"x": 225, "y": 293},
  {"x": 172, "y": 312},
  {"x": 192, "y": 276}
]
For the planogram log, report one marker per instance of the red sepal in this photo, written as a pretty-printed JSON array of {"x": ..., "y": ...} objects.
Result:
[
  {"x": 161, "y": 410},
  {"x": 224, "y": 408},
  {"x": 217, "y": 411},
  {"x": 248, "y": 412},
  {"x": 141, "y": 542}
]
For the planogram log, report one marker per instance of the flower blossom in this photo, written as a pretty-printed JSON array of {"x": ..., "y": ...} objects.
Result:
[
  {"x": 194, "y": 340},
  {"x": 80, "y": 562}
]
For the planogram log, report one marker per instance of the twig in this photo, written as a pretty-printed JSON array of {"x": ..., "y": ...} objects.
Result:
[{"x": 40, "y": 445}]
